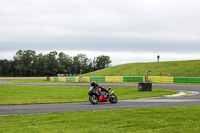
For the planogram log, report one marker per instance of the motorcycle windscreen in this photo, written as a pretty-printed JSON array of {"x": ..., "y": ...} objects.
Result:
[{"x": 90, "y": 89}]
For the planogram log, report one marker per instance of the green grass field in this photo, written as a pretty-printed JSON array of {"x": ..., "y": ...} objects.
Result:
[
  {"x": 148, "y": 120},
  {"x": 35, "y": 95},
  {"x": 175, "y": 68}
]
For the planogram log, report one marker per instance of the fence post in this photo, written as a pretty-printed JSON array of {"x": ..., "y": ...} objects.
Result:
[{"x": 160, "y": 73}]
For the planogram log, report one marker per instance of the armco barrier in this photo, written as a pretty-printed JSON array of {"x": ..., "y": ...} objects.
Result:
[
  {"x": 100, "y": 79},
  {"x": 55, "y": 79},
  {"x": 62, "y": 79},
  {"x": 186, "y": 80},
  {"x": 65, "y": 79},
  {"x": 86, "y": 79},
  {"x": 134, "y": 79},
  {"x": 153, "y": 79},
  {"x": 51, "y": 78},
  {"x": 114, "y": 79},
  {"x": 97, "y": 79},
  {"x": 70, "y": 79},
  {"x": 158, "y": 79},
  {"x": 77, "y": 79}
]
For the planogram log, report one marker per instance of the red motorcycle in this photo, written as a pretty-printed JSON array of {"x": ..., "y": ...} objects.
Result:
[{"x": 96, "y": 95}]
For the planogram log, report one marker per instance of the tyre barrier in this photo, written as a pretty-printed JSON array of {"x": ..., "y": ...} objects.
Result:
[
  {"x": 99, "y": 79},
  {"x": 158, "y": 79},
  {"x": 186, "y": 80},
  {"x": 120, "y": 79}
]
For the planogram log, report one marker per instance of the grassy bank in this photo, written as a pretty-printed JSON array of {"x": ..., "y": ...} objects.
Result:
[
  {"x": 175, "y": 68},
  {"x": 159, "y": 120},
  {"x": 36, "y": 95}
]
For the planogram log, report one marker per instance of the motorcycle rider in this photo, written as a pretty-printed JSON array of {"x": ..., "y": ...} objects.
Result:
[{"x": 94, "y": 84}]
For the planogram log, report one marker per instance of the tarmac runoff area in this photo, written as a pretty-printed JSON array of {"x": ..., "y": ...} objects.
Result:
[
  {"x": 184, "y": 98},
  {"x": 183, "y": 93}
]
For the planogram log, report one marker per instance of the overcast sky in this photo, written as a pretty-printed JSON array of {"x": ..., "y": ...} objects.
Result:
[{"x": 126, "y": 30}]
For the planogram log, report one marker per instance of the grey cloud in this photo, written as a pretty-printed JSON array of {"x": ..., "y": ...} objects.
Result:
[
  {"x": 106, "y": 44},
  {"x": 114, "y": 25}
]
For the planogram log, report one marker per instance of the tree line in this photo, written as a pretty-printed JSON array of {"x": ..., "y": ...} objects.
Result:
[{"x": 28, "y": 63}]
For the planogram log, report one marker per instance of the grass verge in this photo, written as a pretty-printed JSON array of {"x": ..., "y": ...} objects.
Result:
[
  {"x": 35, "y": 95},
  {"x": 149, "y": 120},
  {"x": 32, "y": 81}
]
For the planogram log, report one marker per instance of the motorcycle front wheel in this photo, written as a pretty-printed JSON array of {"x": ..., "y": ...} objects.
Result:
[
  {"x": 93, "y": 99},
  {"x": 113, "y": 99}
]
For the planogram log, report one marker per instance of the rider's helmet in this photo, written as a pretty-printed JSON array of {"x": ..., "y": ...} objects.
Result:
[{"x": 93, "y": 83}]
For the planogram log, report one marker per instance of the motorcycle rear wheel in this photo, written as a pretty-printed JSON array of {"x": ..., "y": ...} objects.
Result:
[
  {"x": 113, "y": 99},
  {"x": 93, "y": 99}
]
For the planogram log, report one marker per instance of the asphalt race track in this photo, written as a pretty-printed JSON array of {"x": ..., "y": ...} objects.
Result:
[{"x": 122, "y": 104}]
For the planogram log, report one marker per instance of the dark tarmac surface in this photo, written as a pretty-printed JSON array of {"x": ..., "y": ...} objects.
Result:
[{"x": 122, "y": 104}]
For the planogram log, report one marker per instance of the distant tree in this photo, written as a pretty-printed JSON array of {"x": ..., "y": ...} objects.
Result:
[
  {"x": 64, "y": 63},
  {"x": 29, "y": 59},
  {"x": 27, "y": 63},
  {"x": 80, "y": 63},
  {"x": 101, "y": 62},
  {"x": 1, "y": 68},
  {"x": 90, "y": 67},
  {"x": 52, "y": 63},
  {"x": 39, "y": 65},
  {"x": 5, "y": 67},
  {"x": 18, "y": 61},
  {"x": 44, "y": 63},
  {"x": 24, "y": 61}
]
